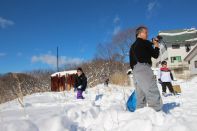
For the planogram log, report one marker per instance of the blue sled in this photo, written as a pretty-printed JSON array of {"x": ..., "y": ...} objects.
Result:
[{"x": 131, "y": 102}]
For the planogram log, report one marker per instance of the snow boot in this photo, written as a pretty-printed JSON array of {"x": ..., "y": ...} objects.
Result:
[{"x": 79, "y": 94}]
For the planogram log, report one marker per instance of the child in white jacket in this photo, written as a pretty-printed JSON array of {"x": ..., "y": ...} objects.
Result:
[{"x": 165, "y": 78}]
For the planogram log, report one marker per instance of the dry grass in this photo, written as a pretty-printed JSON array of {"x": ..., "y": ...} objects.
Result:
[
  {"x": 183, "y": 74},
  {"x": 17, "y": 85},
  {"x": 19, "y": 94},
  {"x": 119, "y": 78}
]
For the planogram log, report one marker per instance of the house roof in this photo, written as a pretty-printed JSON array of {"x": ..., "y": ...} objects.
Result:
[
  {"x": 62, "y": 73},
  {"x": 179, "y": 36},
  {"x": 191, "y": 54}
]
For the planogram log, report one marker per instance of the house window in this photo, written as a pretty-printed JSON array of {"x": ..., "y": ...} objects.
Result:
[
  {"x": 195, "y": 64},
  {"x": 175, "y": 46},
  {"x": 176, "y": 59}
]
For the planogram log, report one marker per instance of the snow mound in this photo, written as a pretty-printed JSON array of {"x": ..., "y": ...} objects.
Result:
[{"x": 103, "y": 109}]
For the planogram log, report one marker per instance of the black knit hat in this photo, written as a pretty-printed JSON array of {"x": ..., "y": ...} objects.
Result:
[
  {"x": 79, "y": 69},
  {"x": 163, "y": 62}
]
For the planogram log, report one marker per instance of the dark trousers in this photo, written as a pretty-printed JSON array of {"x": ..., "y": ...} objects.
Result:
[{"x": 167, "y": 84}]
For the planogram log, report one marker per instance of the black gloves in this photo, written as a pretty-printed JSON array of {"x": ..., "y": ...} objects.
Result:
[{"x": 159, "y": 80}]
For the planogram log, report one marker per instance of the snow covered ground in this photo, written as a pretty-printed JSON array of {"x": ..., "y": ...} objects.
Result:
[{"x": 102, "y": 110}]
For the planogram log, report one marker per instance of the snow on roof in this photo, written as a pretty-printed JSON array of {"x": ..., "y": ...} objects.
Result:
[
  {"x": 189, "y": 31},
  {"x": 179, "y": 36},
  {"x": 62, "y": 73},
  {"x": 194, "y": 39}
]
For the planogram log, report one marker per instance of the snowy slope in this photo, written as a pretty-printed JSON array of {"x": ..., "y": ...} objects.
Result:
[{"x": 102, "y": 110}]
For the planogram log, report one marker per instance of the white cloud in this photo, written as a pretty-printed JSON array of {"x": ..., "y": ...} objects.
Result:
[
  {"x": 117, "y": 27},
  {"x": 116, "y": 30},
  {"x": 5, "y": 23},
  {"x": 152, "y": 5},
  {"x": 2, "y": 54},
  {"x": 52, "y": 60},
  {"x": 116, "y": 20}
]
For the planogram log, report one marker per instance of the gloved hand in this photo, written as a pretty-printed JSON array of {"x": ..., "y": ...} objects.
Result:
[
  {"x": 79, "y": 87},
  {"x": 75, "y": 89},
  {"x": 159, "y": 80}
]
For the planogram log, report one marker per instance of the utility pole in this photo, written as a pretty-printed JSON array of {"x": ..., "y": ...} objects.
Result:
[{"x": 57, "y": 60}]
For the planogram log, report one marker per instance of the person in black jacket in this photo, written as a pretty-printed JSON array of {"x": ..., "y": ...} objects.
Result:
[
  {"x": 141, "y": 53},
  {"x": 80, "y": 83}
]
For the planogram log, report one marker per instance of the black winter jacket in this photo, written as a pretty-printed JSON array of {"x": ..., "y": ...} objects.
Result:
[
  {"x": 142, "y": 51},
  {"x": 81, "y": 81}
]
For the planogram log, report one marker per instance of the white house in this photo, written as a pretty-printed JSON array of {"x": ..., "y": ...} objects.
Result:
[
  {"x": 191, "y": 58},
  {"x": 175, "y": 46}
]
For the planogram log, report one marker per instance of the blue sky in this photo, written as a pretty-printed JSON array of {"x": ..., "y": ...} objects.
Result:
[{"x": 30, "y": 30}]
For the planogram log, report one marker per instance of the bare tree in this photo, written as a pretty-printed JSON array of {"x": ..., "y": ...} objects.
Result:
[
  {"x": 105, "y": 51},
  {"x": 17, "y": 85},
  {"x": 118, "y": 48},
  {"x": 19, "y": 93},
  {"x": 122, "y": 42},
  {"x": 111, "y": 57}
]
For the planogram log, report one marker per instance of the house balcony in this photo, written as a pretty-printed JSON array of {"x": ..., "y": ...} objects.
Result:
[{"x": 178, "y": 65}]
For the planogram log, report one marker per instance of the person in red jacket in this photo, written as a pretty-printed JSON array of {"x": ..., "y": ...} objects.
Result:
[{"x": 165, "y": 78}]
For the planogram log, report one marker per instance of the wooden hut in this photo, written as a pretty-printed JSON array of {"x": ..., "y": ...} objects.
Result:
[{"x": 64, "y": 80}]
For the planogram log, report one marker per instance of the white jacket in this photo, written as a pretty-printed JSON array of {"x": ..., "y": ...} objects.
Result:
[{"x": 165, "y": 75}]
